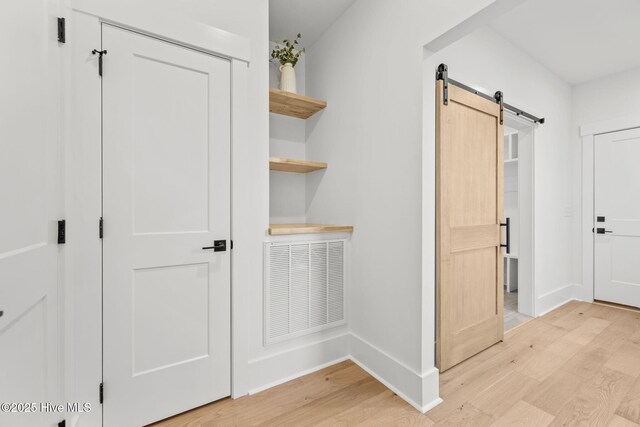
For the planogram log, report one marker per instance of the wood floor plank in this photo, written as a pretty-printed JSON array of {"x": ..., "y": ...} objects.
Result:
[
  {"x": 328, "y": 406},
  {"x": 630, "y": 406},
  {"x": 454, "y": 373},
  {"x": 614, "y": 336},
  {"x": 635, "y": 338},
  {"x": 551, "y": 358},
  {"x": 554, "y": 392},
  {"x": 538, "y": 335},
  {"x": 569, "y": 316},
  {"x": 618, "y": 421},
  {"x": 290, "y": 399},
  {"x": 523, "y": 414},
  {"x": 466, "y": 415},
  {"x": 588, "y": 330},
  {"x": 477, "y": 379},
  {"x": 501, "y": 396},
  {"x": 626, "y": 360},
  {"x": 589, "y": 361},
  {"x": 384, "y": 409},
  {"x": 595, "y": 404}
]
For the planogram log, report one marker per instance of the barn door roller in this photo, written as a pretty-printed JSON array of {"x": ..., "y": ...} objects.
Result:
[{"x": 441, "y": 74}]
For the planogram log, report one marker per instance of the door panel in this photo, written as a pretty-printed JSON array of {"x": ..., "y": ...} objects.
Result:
[
  {"x": 166, "y": 196},
  {"x": 167, "y": 301},
  {"x": 469, "y": 192},
  {"x": 169, "y": 113},
  {"x": 616, "y": 186},
  {"x": 31, "y": 345}
]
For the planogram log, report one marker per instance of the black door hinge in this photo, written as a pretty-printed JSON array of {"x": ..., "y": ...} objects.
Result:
[
  {"x": 231, "y": 244},
  {"x": 101, "y": 393},
  {"x": 101, "y": 53},
  {"x": 101, "y": 228},
  {"x": 62, "y": 32},
  {"x": 62, "y": 232},
  {"x": 62, "y": 423}
]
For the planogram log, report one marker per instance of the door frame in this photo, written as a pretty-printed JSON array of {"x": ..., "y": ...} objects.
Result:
[
  {"x": 83, "y": 178},
  {"x": 588, "y": 133},
  {"x": 519, "y": 123}
]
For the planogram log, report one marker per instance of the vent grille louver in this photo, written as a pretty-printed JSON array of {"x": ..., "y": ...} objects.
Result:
[{"x": 304, "y": 288}]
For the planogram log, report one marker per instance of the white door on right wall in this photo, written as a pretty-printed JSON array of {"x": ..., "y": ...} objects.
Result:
[{"x": 617, "y": 222}]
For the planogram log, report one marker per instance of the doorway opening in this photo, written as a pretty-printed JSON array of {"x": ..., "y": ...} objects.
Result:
[{"x": 518, "y": 210}]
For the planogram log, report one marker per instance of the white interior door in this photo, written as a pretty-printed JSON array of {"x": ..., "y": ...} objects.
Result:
[
  {"x": 166, "y": 196},
  {"x": 617, "y": 210},
  {"x": 30, "y": 203}
]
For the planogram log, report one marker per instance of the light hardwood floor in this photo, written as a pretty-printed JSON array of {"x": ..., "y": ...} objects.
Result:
[{"x": 578, "y": 365}]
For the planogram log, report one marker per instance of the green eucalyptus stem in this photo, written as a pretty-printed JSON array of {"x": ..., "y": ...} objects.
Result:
[{"x": 286, "y": 52}]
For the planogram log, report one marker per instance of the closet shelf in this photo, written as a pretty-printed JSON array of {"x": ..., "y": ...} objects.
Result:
[
  {"x": 283, "y": 164},
  {"x": 291, "y": 104},
  {"x": 281, "y": 229}
]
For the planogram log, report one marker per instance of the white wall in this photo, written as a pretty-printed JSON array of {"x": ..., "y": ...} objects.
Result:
[
  {"x": 485, "y": 60},
  {"x": 368, "y": 67},
  {"x": 611, "y": 97}
]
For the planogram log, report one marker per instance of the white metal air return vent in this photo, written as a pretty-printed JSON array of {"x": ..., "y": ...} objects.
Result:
[{"x": 304, "y": 288}]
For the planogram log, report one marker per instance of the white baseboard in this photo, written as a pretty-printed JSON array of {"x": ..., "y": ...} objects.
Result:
[
  {"x": 430, "y": 389},
  {"x": 288, "y": 365},
  {"x": 556, "y": 298},
  {"x": 420, "y": 391},
  {"x": 581, "y": 293}
]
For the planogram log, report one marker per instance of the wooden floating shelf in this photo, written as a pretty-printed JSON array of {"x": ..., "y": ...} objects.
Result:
[
  {"x": 291, "y": 104},
  {"x": 280, "y": 229},
  {"x": 283, "y": 164}
]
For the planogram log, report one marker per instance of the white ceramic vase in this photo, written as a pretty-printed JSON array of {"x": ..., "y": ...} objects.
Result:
[{"x": 287, "y": 78}]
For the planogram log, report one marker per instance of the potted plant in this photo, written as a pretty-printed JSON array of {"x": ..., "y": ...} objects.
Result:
[{"x": 287, "y": 55}]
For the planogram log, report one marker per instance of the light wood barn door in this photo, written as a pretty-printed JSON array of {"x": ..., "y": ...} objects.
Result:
[{"x": 469, "y": 210}]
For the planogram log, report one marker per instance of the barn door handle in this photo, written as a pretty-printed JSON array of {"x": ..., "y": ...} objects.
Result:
[
  {"x": 218, "y": 246},
  {"x": 508, "y": 244},
  {"x": 602, "y": 231}
]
